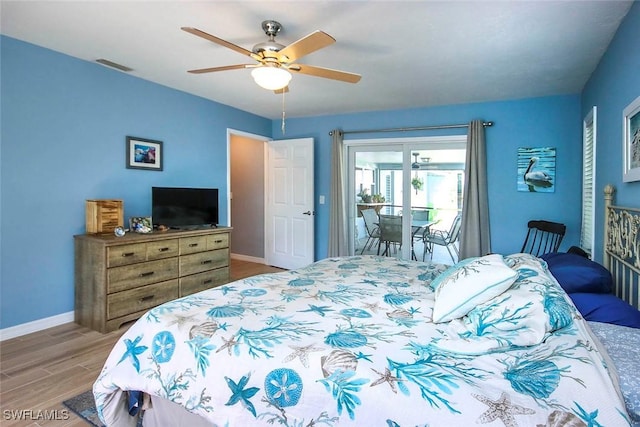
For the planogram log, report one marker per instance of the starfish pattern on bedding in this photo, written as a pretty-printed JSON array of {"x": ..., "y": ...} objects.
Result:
[
  {"x": 241, "y": 394},
  {"x": 226, "y": 289},
  {"x": 502, "y": 409},
  {"x": 315, "y": 296},
  {"x": 373, "y": 306},
  {"x": 371, "y": 282},
  {"x": 302, "y": 353},
  {"x": 361, "y": 355},
  {"x": 133, "y": 350},
  {"x": 181, "y": 320},
  {"x": 320, "y": 309},
  {"x": 228, "y": 344},
  {"x": 386, "y": 378}
]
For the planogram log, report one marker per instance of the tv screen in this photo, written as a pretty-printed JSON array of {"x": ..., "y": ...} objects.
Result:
[{"x": 184, "y": 207}]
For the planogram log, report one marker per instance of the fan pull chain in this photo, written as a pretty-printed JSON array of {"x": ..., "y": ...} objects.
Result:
[{"x": 283, "y": 114}]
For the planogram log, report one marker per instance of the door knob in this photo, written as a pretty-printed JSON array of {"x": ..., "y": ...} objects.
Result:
[{"x": 307, "y": 213}]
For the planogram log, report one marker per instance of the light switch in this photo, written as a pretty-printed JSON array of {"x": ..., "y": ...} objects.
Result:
[{"x": 322, "y": 200}]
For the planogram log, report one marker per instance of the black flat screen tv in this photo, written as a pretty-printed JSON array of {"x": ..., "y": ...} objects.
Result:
[{"x": 184, "y": 208}]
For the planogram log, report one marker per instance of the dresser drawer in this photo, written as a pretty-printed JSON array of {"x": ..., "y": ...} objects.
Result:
[
  {"x": 162, "y": 249},
  {"x": 133, "y": 276},
  {"x": 191, "y": 245},
  {"x": 203, "y": 261},
  {"x": 218, "y": 241},
  {"x": 202, "y": 281},
  {"x": 126, "y": 254},
  {"x": 142, "y": 298}
]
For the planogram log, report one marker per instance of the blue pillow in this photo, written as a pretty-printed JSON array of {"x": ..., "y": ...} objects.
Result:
[
  {"x": 606, "y": 308},
  {"x": 576, "y": 273}
]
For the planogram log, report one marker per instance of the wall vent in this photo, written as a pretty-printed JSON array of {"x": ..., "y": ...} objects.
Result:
[{"x": 114, "y": 65}]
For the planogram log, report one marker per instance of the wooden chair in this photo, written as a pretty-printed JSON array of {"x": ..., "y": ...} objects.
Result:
[{"x": 543, "y": 237}]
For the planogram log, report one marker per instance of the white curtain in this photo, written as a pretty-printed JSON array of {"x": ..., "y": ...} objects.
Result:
[
  {"x": 338, "y": 243},
  {"x": 475, "y": 236}
]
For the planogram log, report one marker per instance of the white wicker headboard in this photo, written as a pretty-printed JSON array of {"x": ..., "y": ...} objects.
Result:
[{"x": 621, "y": 254}]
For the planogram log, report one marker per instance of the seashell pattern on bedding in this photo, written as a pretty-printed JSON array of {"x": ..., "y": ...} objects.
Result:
[{"x": 350, "y": 342}]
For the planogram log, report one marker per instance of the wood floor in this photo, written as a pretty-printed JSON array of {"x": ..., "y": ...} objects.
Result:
[{"x": 39, "y": 371}]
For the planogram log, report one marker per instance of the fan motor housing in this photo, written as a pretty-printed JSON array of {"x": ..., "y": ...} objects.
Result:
[
  {"x": 271, "y": 28},
  {"x": 269, "y": 46}
]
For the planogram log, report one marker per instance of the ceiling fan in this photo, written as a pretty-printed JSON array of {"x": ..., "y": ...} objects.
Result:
[
  {"x": 425, "y": 161},
  {"x": 275, "y": 61}
]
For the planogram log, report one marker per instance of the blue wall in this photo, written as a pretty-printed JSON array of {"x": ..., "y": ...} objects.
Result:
[
  {"x": 539, "y": 122},
  {"x": 64, "y": 123},
  {"x": 614, "y": 84}
]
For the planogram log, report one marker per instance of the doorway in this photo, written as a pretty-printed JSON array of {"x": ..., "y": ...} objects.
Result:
[
  {"x": 247, "y": 197},
  {"x": 266, "y": 230}
]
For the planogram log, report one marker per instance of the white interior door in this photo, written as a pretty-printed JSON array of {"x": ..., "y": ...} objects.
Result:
[{"x": 289, "y": 222}]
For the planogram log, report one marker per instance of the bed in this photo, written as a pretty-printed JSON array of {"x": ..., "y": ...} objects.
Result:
[{"x": 370, "y": 340}]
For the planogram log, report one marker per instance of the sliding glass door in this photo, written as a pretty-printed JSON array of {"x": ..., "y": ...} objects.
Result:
[{"x": 409, "y": 183}]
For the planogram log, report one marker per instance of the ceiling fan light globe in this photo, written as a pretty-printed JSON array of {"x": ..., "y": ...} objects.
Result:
[{"x": 271, "y": 78}]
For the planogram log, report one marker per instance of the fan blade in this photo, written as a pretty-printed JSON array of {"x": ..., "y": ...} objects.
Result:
[
  {"x": 327, "y": 73},
  {"x": 225, "y": 68},
  {"x": 314, "y": 41},
  {"x": 221, "y": 42}
]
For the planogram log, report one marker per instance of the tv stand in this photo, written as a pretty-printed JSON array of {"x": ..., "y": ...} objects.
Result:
[{"x": 117, "y": 279}]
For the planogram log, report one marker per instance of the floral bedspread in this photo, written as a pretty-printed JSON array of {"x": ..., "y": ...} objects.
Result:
[{"x": 350, "y": 341}]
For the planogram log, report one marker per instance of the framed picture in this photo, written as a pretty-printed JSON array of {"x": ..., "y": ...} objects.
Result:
[
  {"x": 537, "y": 169},
  {"x": 144, "y": 154},
  {"x": 140, "y": 224},
  {"x": 631, "y": 142}
]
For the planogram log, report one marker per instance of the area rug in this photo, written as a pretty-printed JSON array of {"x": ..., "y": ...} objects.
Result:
[{"x": 84, "y": 406}]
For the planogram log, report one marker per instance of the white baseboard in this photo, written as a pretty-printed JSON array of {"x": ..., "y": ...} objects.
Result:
[
  {"x": 49, "y": 322},
  {"x": 36, "y": 325},
  {"x": 247, "y": 258}
]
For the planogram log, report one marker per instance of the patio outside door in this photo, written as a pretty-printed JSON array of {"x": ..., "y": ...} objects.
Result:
[{"x": 420, "y": 181}]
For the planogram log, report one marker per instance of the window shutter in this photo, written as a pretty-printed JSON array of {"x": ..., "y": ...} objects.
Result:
[{"x": 588, "y": 181}]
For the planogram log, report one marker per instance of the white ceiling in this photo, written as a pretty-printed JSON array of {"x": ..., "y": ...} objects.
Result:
[{"x": 409, "y": 53}]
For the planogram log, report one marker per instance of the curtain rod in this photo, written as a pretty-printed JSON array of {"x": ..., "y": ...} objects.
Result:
[{"x": 485, "y": 124}]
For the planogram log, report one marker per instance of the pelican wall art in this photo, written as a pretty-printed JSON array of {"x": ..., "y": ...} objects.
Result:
[{"x": 537, "y": 169}]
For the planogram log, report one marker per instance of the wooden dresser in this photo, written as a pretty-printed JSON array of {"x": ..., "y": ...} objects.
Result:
[{"x": 117, "y": 279}]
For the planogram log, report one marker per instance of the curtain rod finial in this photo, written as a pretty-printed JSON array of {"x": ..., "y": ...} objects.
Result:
[{"x": 488, "y": 124}]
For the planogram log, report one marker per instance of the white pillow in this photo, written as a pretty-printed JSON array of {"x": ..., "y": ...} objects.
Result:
[{"x": 469, "y": 283}]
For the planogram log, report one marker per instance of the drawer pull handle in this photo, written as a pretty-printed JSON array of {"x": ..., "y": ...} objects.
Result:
[
  {"x": 218, "y": 241},
  {"x": 126, "y": 254},
  {"x": 193, "y": 245},
  {"x": 147, "y": 298},
  {"x": 206, "y": 282},
  {"x": 148, "y": 273},
  {"x": 163, "y": 249},
  {"x": 208, "y": 261}
]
